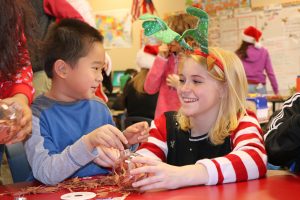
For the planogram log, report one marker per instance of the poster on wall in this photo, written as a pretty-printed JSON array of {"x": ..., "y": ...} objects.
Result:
[{"x": 115, "y": 26}]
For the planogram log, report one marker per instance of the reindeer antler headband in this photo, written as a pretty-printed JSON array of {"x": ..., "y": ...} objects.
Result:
[{"x": 153, "y": 25}]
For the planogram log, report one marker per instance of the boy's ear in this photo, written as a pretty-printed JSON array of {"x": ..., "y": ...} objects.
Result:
[{"x": 61, "y": 68}]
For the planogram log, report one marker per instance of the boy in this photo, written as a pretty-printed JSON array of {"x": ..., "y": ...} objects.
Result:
[{"x": 72, "y": 130}]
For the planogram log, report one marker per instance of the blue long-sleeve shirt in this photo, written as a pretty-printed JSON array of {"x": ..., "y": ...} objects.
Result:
[{"x": 55, "y": 149}]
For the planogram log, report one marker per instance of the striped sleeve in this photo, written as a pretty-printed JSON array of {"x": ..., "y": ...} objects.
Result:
[
  {"x": 156, "y": 146},
  {"x": 248, "y": 157}
]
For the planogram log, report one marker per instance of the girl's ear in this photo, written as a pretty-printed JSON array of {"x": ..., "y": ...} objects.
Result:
[
  {"x": 61, "y": 68},
  {"x": 223, "y": 89}
]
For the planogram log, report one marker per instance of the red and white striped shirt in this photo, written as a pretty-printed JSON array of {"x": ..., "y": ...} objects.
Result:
[{"x": 246, "y": 161}]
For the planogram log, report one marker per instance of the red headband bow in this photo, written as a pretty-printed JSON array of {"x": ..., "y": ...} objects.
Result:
[{"x": 211, "y": 60}]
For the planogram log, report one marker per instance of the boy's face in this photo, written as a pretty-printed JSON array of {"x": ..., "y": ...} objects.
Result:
[{"x": 86, "y": 75}]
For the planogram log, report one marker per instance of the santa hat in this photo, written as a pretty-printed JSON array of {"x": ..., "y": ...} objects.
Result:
[
  {"x": 252, "y": 35},
  {"x": 146, "y": 56}
]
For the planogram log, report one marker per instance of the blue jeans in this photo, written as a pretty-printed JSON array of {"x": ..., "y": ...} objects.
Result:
[{"x": 257, "y": 89}]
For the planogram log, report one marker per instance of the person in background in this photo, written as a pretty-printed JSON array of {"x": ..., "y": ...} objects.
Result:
[
  {"x": 212, "y": 139},
  {"x": 162, "y": 77},
  {"x": 73, "y": 133},
  {"x": 137, "y": 102},
  {"x": 17, "y": 27},
  {"x": 282, "y": 141},
  {"x": 256, "y": 61}
]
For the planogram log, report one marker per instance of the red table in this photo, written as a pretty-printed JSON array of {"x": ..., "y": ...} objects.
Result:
[{"x": 273, "y": 187}]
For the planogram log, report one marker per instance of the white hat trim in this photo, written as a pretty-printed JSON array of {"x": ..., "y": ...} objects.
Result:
[
  {"x": 249, "y": 39},
  {"x": 144, "y": 60},
  {"x": 257, "y": 45}
]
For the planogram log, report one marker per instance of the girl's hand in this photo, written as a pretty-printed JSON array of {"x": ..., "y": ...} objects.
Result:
[
  {"x": 173, "y": 80},
  {"x": 26, "y": 121},
  {"x": 164, "y": 176},
  {"x": 136, "y": 133}
]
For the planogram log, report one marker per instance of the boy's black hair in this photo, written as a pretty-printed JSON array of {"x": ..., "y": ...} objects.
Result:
[{"x": 69, "y": 40}]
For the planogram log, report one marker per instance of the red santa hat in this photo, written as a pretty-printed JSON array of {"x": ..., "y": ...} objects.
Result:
[
  {"x": 252, "y": 35},
  {"x": 146, "y": 56}
]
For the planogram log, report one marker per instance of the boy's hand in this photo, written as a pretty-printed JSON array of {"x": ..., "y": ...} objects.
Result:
[
  {"x": 136, "y": 133},
  {"x": 107, "y": 156},
  {"x": 107, "y": 135}
]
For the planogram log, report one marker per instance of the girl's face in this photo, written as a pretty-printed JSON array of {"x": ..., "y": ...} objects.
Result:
[
  {"x": 198, "y": 92},
  {"x": 86, "y": 76}
]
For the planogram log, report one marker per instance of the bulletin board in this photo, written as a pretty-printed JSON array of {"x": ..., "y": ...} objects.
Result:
[{"x": 281, "y": 36}]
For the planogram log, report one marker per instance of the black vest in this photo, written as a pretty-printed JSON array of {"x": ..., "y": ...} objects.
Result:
[{"x": 183, "y": 151}]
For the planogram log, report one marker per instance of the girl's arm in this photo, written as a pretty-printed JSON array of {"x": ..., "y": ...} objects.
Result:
[
  {"x": 21, "y": 81},
  {"x": 156, "y": 75},
  {"x": 247, "y": 160}
]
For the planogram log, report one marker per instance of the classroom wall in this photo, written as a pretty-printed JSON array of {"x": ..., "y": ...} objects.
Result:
[
  {"x": 281, "y": 34},
  {"x": 123, "y": 58}
]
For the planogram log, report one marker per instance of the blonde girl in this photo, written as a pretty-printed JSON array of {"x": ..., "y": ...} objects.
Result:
[{"x": 212, "y": 139}]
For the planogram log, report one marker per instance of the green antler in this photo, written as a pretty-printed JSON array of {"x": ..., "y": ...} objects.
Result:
[
  {"x": 155, "y": 26},
  {"x": 200, "y": 33}
]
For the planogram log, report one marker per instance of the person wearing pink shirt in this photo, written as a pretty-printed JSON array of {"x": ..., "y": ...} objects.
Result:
[{"x": 162, "y": 77}]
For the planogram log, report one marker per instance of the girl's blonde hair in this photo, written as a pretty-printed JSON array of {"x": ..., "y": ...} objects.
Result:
[
  {"x": 233, "y": 102},
  {"x": 139, "y": 80}
]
